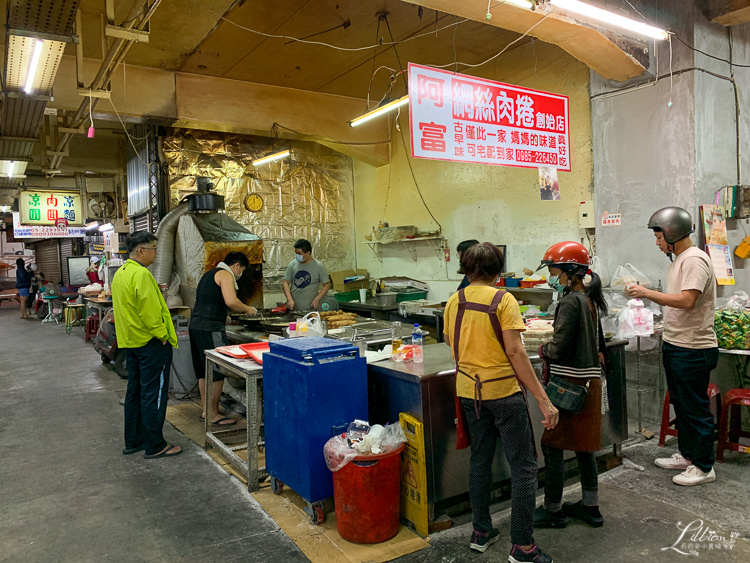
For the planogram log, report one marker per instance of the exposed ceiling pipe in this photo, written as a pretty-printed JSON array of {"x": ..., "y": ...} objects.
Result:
[{"x": 115, "y": 55}]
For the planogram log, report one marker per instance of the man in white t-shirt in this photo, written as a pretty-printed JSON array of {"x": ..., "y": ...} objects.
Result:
[{"x": 690, "y": 350}]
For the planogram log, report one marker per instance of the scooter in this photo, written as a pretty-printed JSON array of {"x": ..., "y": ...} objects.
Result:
[{"x": 106, "y": 344}]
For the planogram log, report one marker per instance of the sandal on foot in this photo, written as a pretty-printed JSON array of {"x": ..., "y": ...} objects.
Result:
[
  {"x": 163, "y": 453},
  {"x": 221, "y": 422}
]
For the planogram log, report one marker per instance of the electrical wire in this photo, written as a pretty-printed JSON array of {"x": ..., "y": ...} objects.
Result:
[
  {"x": 127, "y": 134},
  {"x": 321, "y": 43},
  {"x": 709, "y": 55},
  {"x": 372, "y": 77},
  {"x": 413, "y": 177},
  {"x": 493, "y": 57}
]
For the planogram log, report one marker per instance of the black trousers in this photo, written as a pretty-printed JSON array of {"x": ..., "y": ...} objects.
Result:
[
  {"x": 200, "y": 341},
  {"x": 688, "y": 375},
  {"x": 554, "y": 465},
  {"x": 146, "y": 398},
  {"x": 508, "y": 417}
]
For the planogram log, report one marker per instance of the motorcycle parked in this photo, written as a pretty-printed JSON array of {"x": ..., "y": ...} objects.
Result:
[{"x": 106, "y": 344}]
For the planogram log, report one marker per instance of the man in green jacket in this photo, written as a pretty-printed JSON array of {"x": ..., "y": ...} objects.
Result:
[{"x": 144, "y": 328}]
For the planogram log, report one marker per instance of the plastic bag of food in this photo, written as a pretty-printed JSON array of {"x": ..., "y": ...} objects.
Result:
[
  {"x": 338, "y": 453},
  {"x": 629, "y": 274},
  {"x": 733, "y": 329},
  {"x": 597, "y": 266},
  {"x": 635, "y": 320}
]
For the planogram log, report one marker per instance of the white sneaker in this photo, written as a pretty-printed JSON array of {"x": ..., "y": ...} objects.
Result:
[
  {"x": 674, "y": 462},
  {"x": 694, "y": 476}
]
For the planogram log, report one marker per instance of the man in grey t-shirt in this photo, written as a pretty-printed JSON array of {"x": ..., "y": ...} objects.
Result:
[{"x": 303, "y": 277}]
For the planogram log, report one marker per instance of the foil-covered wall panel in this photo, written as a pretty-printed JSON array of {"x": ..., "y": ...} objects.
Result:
[{"x": 309, "y": 195}]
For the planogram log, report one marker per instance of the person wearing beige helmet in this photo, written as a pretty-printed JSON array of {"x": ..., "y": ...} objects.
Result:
[
  {"x": 574, "y": 359},
  {"x": 690, "y": 350}
]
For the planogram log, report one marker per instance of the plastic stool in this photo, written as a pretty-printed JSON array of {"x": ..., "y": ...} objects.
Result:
[
  {"x": 729, "y": 435},
  {"x": 666, "y": 423},
  {"x": 92, "y": 327}
]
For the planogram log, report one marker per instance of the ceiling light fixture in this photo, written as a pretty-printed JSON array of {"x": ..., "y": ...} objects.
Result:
[
  {"x": 33, "y": 66},
  {"x": 611, "y": 18},
  {"x": 11, "y": 168},
  {"x": 390, "y": 106},
  {"x": 106, "y": 227},
  {"x": 91, "y": 226},
  {"x": 271, "y": 158}
]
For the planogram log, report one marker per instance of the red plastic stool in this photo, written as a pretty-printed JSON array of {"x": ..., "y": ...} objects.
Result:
[
  {"x": 92, "y": 327},
  {"x": 666, "y": 423},
  {"x": 730, "y": 432}
]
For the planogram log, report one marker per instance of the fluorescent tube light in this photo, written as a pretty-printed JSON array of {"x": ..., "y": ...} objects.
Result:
[
  {"x": 33, "y": 66},
  {"x": 91, "y": 226},
  {"x": 106, "y": 227},
  {"x": 11, "y": 168},
  {"x": 271, "y": 158},
  {"x": 379, "y": 111},
  {"x": 605, "y": 16}
]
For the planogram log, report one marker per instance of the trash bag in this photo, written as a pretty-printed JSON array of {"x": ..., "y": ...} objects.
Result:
[
  {"x": 597, "y": 266},
  {"x": 635, "y": 320},
  {"x": 393, "y": 436},
  {"x": 629, "y": 274},
  {"x": 338, "y": 453}
]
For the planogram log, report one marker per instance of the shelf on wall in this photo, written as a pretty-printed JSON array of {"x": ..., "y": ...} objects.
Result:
[{"x": 379, "y": 254}]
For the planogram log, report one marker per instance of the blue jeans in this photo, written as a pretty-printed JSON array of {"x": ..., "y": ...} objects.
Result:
[
  {"x": 147, "y": 394},
  {"x": 688, "y": 375}
]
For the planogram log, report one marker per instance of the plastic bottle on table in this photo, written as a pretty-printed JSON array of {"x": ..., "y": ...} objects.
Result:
[
  {"x": 417, "y": 341},
  {"x": 396, "y": 338}
]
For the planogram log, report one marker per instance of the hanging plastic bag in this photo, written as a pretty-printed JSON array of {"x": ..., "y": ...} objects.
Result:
[
  {"x": 629, "y": 274},
  {"x": 597, "y": 266},
  {"x": 635, "y": 320}
]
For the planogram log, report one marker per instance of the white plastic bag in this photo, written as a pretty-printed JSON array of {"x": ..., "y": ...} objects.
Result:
[
  {"x": 310, "y": 325},
  {"x": 629, "y": 274},
  {"x": 338, "y": 453},
  {"x": 635, "y": 320},
  {"x": 597, "y": 266}
]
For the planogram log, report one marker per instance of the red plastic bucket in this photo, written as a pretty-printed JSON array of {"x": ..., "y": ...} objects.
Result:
[{"x": 367, "y": 493}]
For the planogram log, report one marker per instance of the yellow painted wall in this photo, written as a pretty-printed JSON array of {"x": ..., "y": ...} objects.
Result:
[{"x": 490, "y": 203}]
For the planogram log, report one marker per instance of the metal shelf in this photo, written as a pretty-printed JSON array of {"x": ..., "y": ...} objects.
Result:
[{"x": 379, "y": 255}]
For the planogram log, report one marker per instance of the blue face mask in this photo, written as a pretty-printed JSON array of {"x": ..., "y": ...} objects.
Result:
[
  {"x": 299, "y": 258},
  {"x": 554, "y": 282}
]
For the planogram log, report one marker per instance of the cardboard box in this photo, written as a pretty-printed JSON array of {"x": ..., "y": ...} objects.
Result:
[{"x": 337, "y": 280}]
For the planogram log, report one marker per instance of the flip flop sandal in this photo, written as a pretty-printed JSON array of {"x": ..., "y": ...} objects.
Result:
[
  {"x": 165, "y": 453},
  {"x": 221, "y": 420}
]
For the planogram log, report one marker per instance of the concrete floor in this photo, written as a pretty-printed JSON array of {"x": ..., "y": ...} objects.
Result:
[{"x": 68, "y": 495}]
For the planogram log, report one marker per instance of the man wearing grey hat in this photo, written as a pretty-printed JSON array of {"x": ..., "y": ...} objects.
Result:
[{"x": 690, "y": 349}]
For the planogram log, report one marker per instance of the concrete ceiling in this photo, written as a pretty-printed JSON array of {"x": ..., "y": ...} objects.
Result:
[{"x": 190, "y": 36}]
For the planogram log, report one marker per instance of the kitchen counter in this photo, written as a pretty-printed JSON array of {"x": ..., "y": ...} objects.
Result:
[
  {"x": 370, "y": 308},
  {"x": 238, "y": 334},
  {"x": 427, "y": 391}
]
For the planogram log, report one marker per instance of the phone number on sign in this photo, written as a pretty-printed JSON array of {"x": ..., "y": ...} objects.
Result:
[{"x": 536, "y": 157}]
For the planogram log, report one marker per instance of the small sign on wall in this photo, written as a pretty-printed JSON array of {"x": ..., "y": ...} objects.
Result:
[{"x": 611, "y": 219}]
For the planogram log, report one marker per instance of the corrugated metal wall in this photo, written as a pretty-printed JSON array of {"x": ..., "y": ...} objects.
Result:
[
  {"x": 66, "y": 250},
  {"x": 137, "y": 169},
  {"x": 47, "y": 258}
]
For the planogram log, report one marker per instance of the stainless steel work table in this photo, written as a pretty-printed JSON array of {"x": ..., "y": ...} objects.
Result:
[
  {"x": 371, "y": 307},
  {"x": 427, "y": 391},
  {"x": 252, "y": 373}
]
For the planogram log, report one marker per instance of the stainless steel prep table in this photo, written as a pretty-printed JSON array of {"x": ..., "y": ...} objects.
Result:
[
  {"x": 426, "y": 391},
  {"x": 371, "y": 308},
  {"x": 252, "y": 373}
]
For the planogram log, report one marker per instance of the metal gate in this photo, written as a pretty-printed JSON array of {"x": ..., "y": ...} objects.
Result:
[{"x": 47, "y": 258}]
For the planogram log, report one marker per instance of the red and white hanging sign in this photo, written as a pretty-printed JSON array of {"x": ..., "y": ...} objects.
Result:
[{"x": 461, "y": 118}]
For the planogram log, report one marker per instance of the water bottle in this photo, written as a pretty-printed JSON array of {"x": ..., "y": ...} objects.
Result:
[{"x": 417, "y": 341}]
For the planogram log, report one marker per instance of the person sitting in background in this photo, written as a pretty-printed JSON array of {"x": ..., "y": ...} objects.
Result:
[
  {"x": 303, "y": 276},
  {"x": 23, "y": 285},
  {"x": 145, "y": 330},
  {"x": 216, "y": 293},
  {"x": 463, "y": 247}
]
